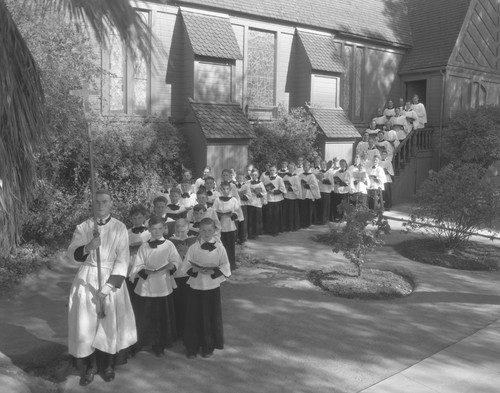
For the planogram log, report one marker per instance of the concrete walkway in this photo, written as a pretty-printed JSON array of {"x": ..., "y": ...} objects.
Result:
[{"x": 285, "y": 335}]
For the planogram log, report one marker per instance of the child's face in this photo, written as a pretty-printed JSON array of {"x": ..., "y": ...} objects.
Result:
[
  {"x": 291, "y": 168},
  {"x": 167, "y": 184},
  {"x": 187, "y": 175},
  {"x": 185, "y": 187},
  {"x": 284, "y": 165},
  {"x": 322, "y": 164},
  {"x": 300, "y": 161},
  {"x": 198, "y": 215},
  {"x": 272, "y": 171},
  {"x": 209, "y": 184},
  {"x": 240, "y": 178},
  {"x": 174, "y": 197},
  {"x": 137, "y": 219},
  {"x": 226, "y": 176},
  {"x": 157, "y": 231},
  {"x": 181, "y": 230},
  {"x": 250, "y": 169},
  {"x": 376, "y": 160},
  {"x": 384, "y": 155},
  {"x": 206, "y": 172},
  {"x": 207, "y": 232},
  {"x": 225, "y": 190},
  {"x": 255, "y": 175},
  {"x": 306, "y": 166},
  {"x": 201, "y": 199},
  {"x": 159, "y": 209}
]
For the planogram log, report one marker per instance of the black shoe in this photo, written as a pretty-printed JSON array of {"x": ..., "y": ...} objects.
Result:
[
  {"x": 88, "y": 377},
  {"x": 109, "y": 374}
]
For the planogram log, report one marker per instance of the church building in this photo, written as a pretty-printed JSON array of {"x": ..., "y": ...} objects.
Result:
[{"x": 224, "y": 64}]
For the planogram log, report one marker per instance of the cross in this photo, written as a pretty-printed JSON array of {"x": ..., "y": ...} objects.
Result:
[{"x": 84, "y": 93}]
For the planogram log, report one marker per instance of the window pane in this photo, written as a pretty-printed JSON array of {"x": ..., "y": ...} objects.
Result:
[
  {"x": 116, "y": 62},
  {"x": 140, "y": 76},
  {"x": 261, "y": 68}
]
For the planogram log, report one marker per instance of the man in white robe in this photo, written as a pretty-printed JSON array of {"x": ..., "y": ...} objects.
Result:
[
  {"x": 419, "y": 109},
  {"x": 89, "y": 335}
]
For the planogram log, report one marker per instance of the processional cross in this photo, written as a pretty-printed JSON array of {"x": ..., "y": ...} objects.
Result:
[{"x": 85, "y": 93}]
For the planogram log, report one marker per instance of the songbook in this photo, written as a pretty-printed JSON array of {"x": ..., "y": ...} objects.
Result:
[
  {"x": 359, "y": 176},
  {"x": 339, "y": 182},
  {"x": 287, "y": 183},
  {"x": 270, "y": 187},
  {"x": 200, "y": 266},
  {"x": 326, "y": 181},
  {"x": 319, "y": 175}
]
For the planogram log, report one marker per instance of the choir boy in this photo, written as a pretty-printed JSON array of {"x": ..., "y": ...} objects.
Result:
[
  {"x": 325, "y": 182},
  {"x": 212, "y": 194},
  {"x": 154, "y": 266},
  {"x": 389, "y": 173},
  {"x": 291, "y": 213},
  {"x": 358, "y": 182},
  {"x": 208, "y": 266},
  {"x": 188, "y": 197},
  {"x": 341, "y": 181},
  {"x": 309, "y": 193},
  {"x": 228, "y": 210},
  {"x": 283, "y": 169},
  {"x": 275, "y": 188},
  {"x": 201, "y": 180},
  {"x": 245, "y": 194},
  {"x": 255, "y": 222},
  {"x": 376, "y": 180}
]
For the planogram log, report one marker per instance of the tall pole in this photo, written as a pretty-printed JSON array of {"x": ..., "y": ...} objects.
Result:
[{"x": 85, "y": 93}]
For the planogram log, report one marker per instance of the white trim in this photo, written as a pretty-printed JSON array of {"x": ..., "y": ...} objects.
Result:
[
  {"x": 203, "y": 12},
  {"x": 315, "y": 32}
]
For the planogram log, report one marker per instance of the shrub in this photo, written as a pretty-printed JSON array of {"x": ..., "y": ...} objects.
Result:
[
  {"x": 454, "y": 203},
  {"x": 293, "y": 135},
  {"x": 474, "y": 136},
  {"x": 360, "y": 235}
]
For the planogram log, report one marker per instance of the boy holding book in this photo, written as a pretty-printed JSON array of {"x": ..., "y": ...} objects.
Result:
[{"x": 207, "y": 266}]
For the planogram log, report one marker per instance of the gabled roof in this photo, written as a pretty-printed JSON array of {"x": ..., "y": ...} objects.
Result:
[
  {"x": 334, "y": 123},
  {"x": 385, "y": 21},
  {"x": 222, "y": 120},
  {"x": 321, "y": 52},
  {"x": 211, "y": 36},
  {"x": 435, "y": 25}
]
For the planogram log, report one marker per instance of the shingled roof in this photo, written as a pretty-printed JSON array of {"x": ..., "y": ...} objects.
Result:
[
  {"x": 321, "y": 52},
  {"x": 211, "y": 36},
  {"x": 222, "y": 120},
  {"x": 385, "y": 21},
  {"x": 334, "y": 123},
  {"x": 435, "y": 26}
]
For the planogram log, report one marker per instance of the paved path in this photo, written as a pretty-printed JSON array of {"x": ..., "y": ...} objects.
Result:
[{"x": 284, "y": 334}]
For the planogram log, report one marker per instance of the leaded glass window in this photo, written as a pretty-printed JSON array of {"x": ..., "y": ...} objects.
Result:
[
  {"x": 261, "y": 68},
  {"x": 116, "y": 75}
]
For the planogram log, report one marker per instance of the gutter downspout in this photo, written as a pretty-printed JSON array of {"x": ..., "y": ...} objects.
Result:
[{"x": 441, "y": 116}]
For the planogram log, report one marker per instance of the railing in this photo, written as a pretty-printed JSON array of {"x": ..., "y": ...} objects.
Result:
[{"x": 419, "y": 139}]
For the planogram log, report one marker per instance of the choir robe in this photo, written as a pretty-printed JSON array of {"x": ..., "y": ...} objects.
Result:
[
  {"x": 245, "y": 194},
  {"x": 308, "y": 196},
  {"x": 188, "y": 202},
  {"x": 419, "y": 109},
  {"x": 155, "y": 313},
  {"x": 180, "y": 276},
  {"x": 135, "y": 241},
  {"x": 387, "y": 193},
  {"x": 228, "y": 211},
  {"x": 358, "y": 181},
  {"x": 117, "y": 330},
  {"x": 376, "y": 180},
  {"x": 203, "y": 325},
  {"x": 322, "y": 205},
  {"x": 214, "y": 194},
  {"x": 255, "y": 224},
  {"x": 209, "y": 213},
  {"x": 291, "y": 213},
  {"x": 340, "y": 192},
  {"x": 273, "y": 221}
]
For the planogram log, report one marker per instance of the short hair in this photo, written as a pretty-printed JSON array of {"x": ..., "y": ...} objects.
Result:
[
  {"x": 103, "y": 192},
  {"x": 185, "y": 181},
  {"x": 188, "y": 171},
  {"x": 160, "y": 198},
  {"x": 207, "y": 221},
  {"x": 138, "y": 209},
  {"x": 156, "y": 220},
  {"x": 225, "y": 184},
  {"x": 206, "y": 167},
  {"x": 381, "y": 132},
  {"x": 199, "y": 207},
  {"x": 175, "y": 190},
  {"x": 209, "y": 178},
  {"x": 344, "y": 161},
  {"x": 226, "y": 171},
  {"x": 240, "y": 173},
  {"x": 201, "y": 191},
  {"x": 273, "y": 166},
  {"x": 181, "y": 222}
]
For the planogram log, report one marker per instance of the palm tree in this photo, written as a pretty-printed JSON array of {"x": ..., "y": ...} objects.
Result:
[{"x": 22, "y": 98}]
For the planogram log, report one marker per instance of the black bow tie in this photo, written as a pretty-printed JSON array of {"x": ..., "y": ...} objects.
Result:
[
  {"x": 210, "y": 204},
  {"x": 103, "y": 222},
  {"x": 137, "y": 230},
  {"x": 323, "y": 170},
  {"x": 155, "y": 243},
  {"x": 165, "y": 191},
  {"x": 373, "y": 167},
  {"x": 255, "y": 182},
  {"x": 238, "y": 185},
  {"x": 272, "y": 177},
  {"x": 306, "y": 173},
  {"x": 185, "y": 195},
  {"x": 210, "y": 193},
  {"x": 208, "y": 246},
  {"x": 173, "y": 207},
  {"x": 317, "y": 167},
  {"x": 224, "y": 198},
  {"x": 196, "y": 224}
]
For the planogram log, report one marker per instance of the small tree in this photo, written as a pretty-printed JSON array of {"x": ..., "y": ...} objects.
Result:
[
  {"x": 293, "y": 135},
  {"x": 454, "y": 203},
  {"x": 361, "y": 234},
  {"x": 474, "y": 136}
]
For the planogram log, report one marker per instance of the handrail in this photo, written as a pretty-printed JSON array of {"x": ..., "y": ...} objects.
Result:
[{"x": 417, "y": 139}]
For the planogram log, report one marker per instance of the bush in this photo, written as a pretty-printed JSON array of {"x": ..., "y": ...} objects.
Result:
[
  {"x": 454, "y": 203},
  {"x": 474, "y": 136},
  {"x": 293, "y": 135}
]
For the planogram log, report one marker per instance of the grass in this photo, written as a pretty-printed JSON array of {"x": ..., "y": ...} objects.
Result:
[
  {"x": 473, "y": 256},
  {"x": 372, "y": 284}
]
